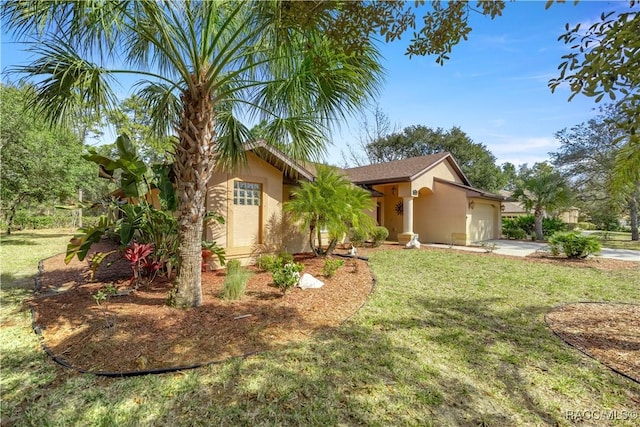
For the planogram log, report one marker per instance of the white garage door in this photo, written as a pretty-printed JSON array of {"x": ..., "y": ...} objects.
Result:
[{"x": 482, "y": 223}]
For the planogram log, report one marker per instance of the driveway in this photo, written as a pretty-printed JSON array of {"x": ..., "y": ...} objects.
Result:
[{"x": 524, "y": 248}]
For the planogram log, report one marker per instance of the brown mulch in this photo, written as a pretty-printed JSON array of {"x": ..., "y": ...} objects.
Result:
[
  {"x": 607, "y": 332},
  {"x": 148, "y": 335}
]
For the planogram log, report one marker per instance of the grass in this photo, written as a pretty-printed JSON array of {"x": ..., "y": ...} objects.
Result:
[
  {"x": 21, "y": 251},
  {"x": 617, "y": 240},
  {"x": 446, "y": 339}
]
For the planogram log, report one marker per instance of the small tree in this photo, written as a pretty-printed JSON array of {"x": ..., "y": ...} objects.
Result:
[
  {"x": 330, "y": 203},
  {"x": 541, "y": 189}
]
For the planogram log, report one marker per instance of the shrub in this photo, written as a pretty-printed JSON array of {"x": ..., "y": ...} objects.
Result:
[
  {"x": 584, "y": 225},
  {"x": 605, "y": 220},
  {"x": 331, "y": 265},
  {"x": 265, "y": 262},
  {"x": 284, "y": 258},
  {"x": 357, "y": 236},
  {"x": 527, "y": 223},
  {"x": 550, "y": 226},
  {"x": 573, "y": 245},
  {"x": 379, "y": 235},
  {"x": 285, "y": 276},
  {"x": 514, "y": 233},
  {"x": 235, "y": 281}
]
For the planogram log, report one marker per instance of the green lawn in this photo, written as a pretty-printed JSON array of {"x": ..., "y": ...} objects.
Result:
[
  {"x": 446, "y": 339},
  {"x": 617, "y": 240}
]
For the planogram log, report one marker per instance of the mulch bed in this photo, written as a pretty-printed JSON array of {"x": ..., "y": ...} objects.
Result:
[
  {"x": 149, "y": 335},
  {"x": 607, "y": 332}
]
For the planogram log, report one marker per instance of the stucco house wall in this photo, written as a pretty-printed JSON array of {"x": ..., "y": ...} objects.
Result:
[
  {"x": 437, "y": 214},
  {"x": 251, "y": 229}
]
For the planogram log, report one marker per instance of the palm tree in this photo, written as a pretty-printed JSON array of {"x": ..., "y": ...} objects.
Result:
[
  {"x": 330, "y": 203},
  {"x": 205, "y": 66},
  {"x": 541, "y": 189}
]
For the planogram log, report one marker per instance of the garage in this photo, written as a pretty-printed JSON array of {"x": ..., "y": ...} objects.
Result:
[{"x": 482, "y": 224}]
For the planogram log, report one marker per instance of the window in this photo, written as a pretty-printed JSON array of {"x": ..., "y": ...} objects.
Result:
[{"x": 246, "y": 193}]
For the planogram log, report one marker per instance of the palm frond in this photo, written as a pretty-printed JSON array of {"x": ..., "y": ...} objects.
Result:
[
  {"x": 163, "y": 105},
  {"x": 70, "y": 83}
]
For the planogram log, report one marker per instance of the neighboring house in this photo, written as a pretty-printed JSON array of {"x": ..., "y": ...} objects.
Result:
[
  {"x": 513, "y": 208},
  {"x": 428, "y": 196}
]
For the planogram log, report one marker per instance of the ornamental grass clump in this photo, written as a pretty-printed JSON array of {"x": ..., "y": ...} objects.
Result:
[
  {"x": 573, "y": 245},
  {"x": 235, "y": 281}
]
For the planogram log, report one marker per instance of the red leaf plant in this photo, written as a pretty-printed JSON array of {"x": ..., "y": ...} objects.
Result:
[{"x": 138, "y": 254}]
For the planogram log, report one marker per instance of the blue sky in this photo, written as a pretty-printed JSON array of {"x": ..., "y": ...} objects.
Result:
[{"x": 494, "y": 87}]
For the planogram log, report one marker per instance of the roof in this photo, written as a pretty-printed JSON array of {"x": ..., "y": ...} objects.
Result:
[
  {"x": 512, "y": 205},
  {"x": 471, "y": 191},
  {"x": 280, "y": 160},
  {"x": 400, "y": 170}
]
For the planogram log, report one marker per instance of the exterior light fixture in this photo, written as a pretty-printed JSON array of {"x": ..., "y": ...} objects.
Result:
[{"x": 472, "y": 205}]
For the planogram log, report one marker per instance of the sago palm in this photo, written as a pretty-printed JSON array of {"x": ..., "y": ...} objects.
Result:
[{"x": 204, "y": 67}]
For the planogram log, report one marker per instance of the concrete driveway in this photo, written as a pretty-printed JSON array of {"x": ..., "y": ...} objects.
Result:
[{"x": 524, "y": 248}]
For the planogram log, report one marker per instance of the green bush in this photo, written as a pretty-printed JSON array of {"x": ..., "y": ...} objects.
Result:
[
  {"x": 379, "y": 235},
  {"x": 584, "y": 225},
  {"x": 235, "y": 281},
  {"x": 284, "y": 258},
  {"x": 550, "y": 226},
  {"x": 573, "y": 245},
  {"x": 527, "y": 223},
  {"x": 331, "y": 265},
  {"x": 605, "y": 220},
  {"x": 511, "y": 230},
  {"x": 357, "y": 237},
  {"x": 514, "y": 233},
  {"x": 285, "y": 276},
  {"x": 265, "y": 262}
]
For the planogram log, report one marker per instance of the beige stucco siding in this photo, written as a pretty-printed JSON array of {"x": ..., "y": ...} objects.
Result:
[
  {"x": 442, "y": 170},
  {"x": 248, "y": 230},
  {"x": 437, "y": 216}
]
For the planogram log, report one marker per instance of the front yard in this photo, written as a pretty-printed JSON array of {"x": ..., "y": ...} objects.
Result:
[{"x": 446, "y": 338}]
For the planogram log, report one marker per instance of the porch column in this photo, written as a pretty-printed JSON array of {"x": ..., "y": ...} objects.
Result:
[{"x": 407, "y": 221}]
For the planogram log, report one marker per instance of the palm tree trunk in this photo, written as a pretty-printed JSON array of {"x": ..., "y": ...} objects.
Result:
[
  {"x": 193, "y": 165},
  {"x": 538, "y": 215}
]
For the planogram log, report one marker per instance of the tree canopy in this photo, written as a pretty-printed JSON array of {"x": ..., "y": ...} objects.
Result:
[
  {"x": 475, "y": 160},
  {"x": 132, "y": 119},
  {"x": 205, "y": 66},
  {"x": 587, "y": 156},
  {"x": 39, "y": 164},
  {"x": 603, "y": 63}
]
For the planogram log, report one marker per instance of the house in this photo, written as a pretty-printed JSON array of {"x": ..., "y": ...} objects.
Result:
[{"x": 428, "y": 196}]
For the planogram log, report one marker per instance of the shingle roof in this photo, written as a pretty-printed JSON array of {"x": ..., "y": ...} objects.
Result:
[{"x": 399, "y": 170}]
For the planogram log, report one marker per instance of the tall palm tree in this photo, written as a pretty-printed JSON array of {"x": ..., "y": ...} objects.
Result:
[
  {"x": 541, "y": 189},
  {"x": 204, "y": 67}
]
